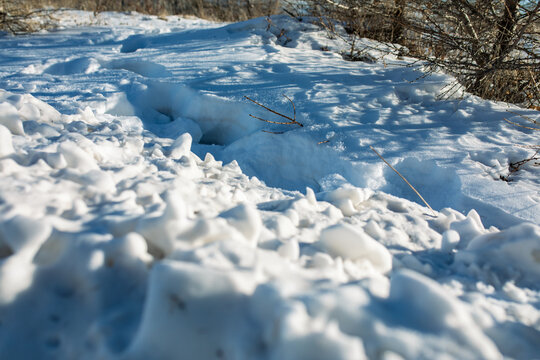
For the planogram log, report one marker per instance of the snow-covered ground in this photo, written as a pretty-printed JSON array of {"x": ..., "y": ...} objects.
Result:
[{"x": 145, "y": 215}]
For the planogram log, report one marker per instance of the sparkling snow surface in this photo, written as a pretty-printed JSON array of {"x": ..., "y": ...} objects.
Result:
[{"x": 145, "y": 215}]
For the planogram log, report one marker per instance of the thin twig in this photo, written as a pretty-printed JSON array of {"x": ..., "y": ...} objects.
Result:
[
  {"x": 524, "y": 117},
  {"x": 528, "y": 146},
  {"x": 521, "y": 126},
  {"x": 533, "y": 79},
  {"x": 292, "y": 121},
  {"x": 293, "y": 107},
  {"x": 402, "y": 177},
  {"x": 270, "y": 121},
  {"x": 516, "y": 166},
  {"x": 272, "y": 111}
]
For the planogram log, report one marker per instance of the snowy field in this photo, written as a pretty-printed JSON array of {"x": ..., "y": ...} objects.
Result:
[{"x": 145, "y": 215}]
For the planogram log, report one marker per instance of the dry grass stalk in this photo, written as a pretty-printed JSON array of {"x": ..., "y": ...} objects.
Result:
[
  {"x": 523, "y": 126},
  {"x": 403, "y": 178}
]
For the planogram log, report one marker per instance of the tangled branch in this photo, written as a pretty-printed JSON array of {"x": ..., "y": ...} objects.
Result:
[
  {"x": 516, "y": 166},
  {"x": 292, "y": 121}
]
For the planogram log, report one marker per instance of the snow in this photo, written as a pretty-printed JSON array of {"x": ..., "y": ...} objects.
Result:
[
  {"x": 144, "y": 214},
  {"x": 348, "y": 243}
]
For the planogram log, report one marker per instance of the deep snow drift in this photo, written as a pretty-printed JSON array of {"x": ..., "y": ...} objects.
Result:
[{"x": 145, "y": 215}]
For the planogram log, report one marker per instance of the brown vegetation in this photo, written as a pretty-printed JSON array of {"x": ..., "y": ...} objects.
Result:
[
  {"x": 19, "y": 16},
  {"x": 224, "y": 10},
  {"x": 490, "y": 46}
]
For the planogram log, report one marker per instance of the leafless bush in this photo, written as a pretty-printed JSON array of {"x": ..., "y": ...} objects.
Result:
[
  {"x": 22, "y": 16},
  {"x": 226, "y": 10},
  {"x": 378, "y": 20},
  {"x": 19, "y": 16},
  {"x": 491, "y": 46}
]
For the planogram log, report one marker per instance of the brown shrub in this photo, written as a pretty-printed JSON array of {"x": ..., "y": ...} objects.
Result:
[{"x": 490, "y": 46}]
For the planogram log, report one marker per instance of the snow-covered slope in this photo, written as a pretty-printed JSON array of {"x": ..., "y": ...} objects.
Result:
[{"x": 145, "y": 215}]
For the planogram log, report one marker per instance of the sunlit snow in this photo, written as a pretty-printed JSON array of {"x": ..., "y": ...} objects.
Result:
[{"x": 144, "y": 214}]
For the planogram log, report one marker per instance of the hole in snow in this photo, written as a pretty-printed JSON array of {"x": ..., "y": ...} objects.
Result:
[
  {"x": 290, "y": 161},
  {"x": 134, "y": 43},
  {"x": 53, "y": 342},
  {"x": 5, "y": 251},
  {"x": 171, "y": 109}
]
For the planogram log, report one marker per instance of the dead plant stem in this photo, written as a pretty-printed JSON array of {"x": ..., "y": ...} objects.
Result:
[{"x": 403, "y": 178}]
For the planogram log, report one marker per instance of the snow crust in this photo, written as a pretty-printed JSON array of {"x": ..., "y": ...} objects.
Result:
[{"x": 145, "y": 215}]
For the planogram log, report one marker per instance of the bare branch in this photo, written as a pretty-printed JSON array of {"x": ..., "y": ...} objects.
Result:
[
  {"x": 516, "y": 166},
  {"x": 292, "y": 121},
  {"x": 292, "y": 103}
]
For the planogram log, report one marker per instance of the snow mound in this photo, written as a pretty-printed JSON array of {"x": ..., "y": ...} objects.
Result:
[
  {"x": 204, "y": 310},
  {"x": 418, "y": 298},
  {"x": 345, "y": 241},
  {"x": 6, "y": 145},
  {"x": 509, "y": 255},
  {"x": 288, "y": 160},
  {"x": 24, "y": 107},
  {"x": 82, "y": 65}
]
